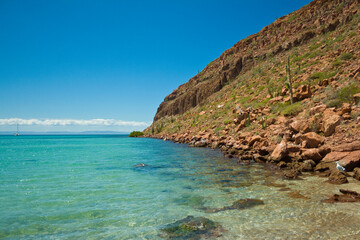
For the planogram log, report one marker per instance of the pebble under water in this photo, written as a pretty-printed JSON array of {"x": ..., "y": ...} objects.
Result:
[{"x": 89, "y": 187}]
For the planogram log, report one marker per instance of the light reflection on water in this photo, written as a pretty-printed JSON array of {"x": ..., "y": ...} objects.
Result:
[{"x": 87, "y": 188}]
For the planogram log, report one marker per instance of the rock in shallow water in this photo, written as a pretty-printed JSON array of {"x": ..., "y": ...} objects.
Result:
[
  {"x": 348, "y": 196},
  {"x": 337, "y": 177},
  {"x": 239, "y": 205},
  {"x": 192, "y": 228}
]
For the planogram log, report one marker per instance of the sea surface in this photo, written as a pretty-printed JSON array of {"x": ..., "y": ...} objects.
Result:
[{"x": 88, "y": 187}]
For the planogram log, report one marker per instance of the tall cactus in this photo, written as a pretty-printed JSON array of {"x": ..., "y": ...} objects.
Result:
[{"x": 288, "y": 74}]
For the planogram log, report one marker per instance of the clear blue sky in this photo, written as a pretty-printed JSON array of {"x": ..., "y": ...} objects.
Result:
[{"x": 72, "y": 59}]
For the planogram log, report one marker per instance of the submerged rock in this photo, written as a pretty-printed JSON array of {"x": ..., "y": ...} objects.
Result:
[
  {"x": 357, "y": 173},
  {"x": 337, "y": 177},
  {"x": 192, "y": 228},
  {"x": 291, "y": 174},
  {"x": 141, "y": 165},
  {"x": 348, "y": 196},
  {"x": 297, "y": 194},
  {"x": 191, "y": 200},
  {"x": 239, "y": 205}
]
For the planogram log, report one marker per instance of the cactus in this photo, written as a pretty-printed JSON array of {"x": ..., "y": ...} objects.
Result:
[{"x": 289, "y": 83}]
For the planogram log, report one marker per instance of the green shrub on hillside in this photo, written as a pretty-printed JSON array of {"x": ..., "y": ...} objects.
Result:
[
  {"x": 287, "y": 109},
  {"x": 344, "y": 94},
  {"x": 136, "y": 134},
  {"x": 319, "y": 76},
  {"x": 346, "y": 56},
  {"x": 292, "y": 109},
  {"x": 333, "y": 103},
  {"x": 337, "y": 63}
]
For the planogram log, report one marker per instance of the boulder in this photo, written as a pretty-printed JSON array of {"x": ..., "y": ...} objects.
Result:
[
  {"x": 323, "y": 150},
  {"x": 347, "y": 147},
  {"x": 325, "y": 166},
  {"x": 312, "y": 153},
  {"x": 192, "y": 228},
  {"x": 334, "y": 156},
  {"x": 330, "y": 121},
  {"x": 302, "y": 92},
  {"x": 356, "y": 98},
  {"x": 346, "y": 109},
  {"x": 293, "y": 148},
  {"x": 300, "y": 126},
  {"x": 351, "y": 161},
  {"x": 356, "y": 173},
  {"x": 291, "y": 174},
  {"x": 280, "y": 152},
  {"x": 307, "y": 166},
  {"x": 309, "y": 140},
  {"x": 214, "y": 144},
  {"x": 317, "y": 109},
  {"x": 201, "y": 143},
  {"x": 337, "y": 177},
  {"x": 254, "y": 139}
]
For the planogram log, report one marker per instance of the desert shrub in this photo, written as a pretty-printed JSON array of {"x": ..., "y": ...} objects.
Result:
[
  {"x": 346, "y": 93},
  {"x": 136, "y": 134},
  {"x": 346, "y": 56},
  {"x": 319, "y": 76},
  {"x": 292, "y": 109},
  {"x": 337, "y": 63},
  {"x": 333, "y": 103}
]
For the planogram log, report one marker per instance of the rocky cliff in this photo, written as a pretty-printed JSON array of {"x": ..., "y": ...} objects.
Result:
[{"x": 288, "y": 32}]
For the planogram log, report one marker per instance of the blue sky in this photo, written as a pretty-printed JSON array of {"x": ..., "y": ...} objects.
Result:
[{"x": 96, "y": 59}]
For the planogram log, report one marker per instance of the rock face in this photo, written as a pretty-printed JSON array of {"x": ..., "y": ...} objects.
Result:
[
  {"x": 351, "y": 161},
  {"x": 330, "y": 121},
  {"x": 347, "y": 147},
  {"x": 310, "y": 140},
  {"x": 313, "y": 154},
  {"x": 347, "y": 154},
  {"x": 301, "y": 126},
  {"x": 312, "y": 21},
  {"x": 280, "y": 152}
]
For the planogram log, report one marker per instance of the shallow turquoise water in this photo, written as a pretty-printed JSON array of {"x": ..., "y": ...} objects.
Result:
[{"x": 86, "y": 187}]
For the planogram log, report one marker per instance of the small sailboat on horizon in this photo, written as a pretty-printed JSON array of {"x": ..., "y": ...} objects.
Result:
[{"x": 17, "y": 130}]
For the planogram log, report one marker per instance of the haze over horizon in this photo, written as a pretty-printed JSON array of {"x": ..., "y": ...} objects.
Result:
[{"x": 106, "y": 66}]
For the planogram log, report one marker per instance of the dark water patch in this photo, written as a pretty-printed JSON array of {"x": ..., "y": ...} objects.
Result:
[
  {"x": 226, "y": 183},
  {"x": 239, "y": 205},
  {"x": 192, "y": 228},
  {"x": 224, "y": 170},
  {"x": 31, "y": 160},
  {"x": 147, "y": 168}
]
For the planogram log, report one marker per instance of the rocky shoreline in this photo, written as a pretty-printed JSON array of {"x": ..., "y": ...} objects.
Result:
[{"x": 299, "y": 150}]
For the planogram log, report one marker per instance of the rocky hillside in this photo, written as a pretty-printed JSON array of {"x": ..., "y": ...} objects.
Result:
[{"x": 240, "y": 102}]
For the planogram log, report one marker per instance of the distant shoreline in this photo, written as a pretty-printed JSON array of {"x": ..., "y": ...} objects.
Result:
[{"x": 62, "y": 133}]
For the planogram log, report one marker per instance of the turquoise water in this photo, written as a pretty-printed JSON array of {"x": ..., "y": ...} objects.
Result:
[{"x": 86, "y": 187}]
